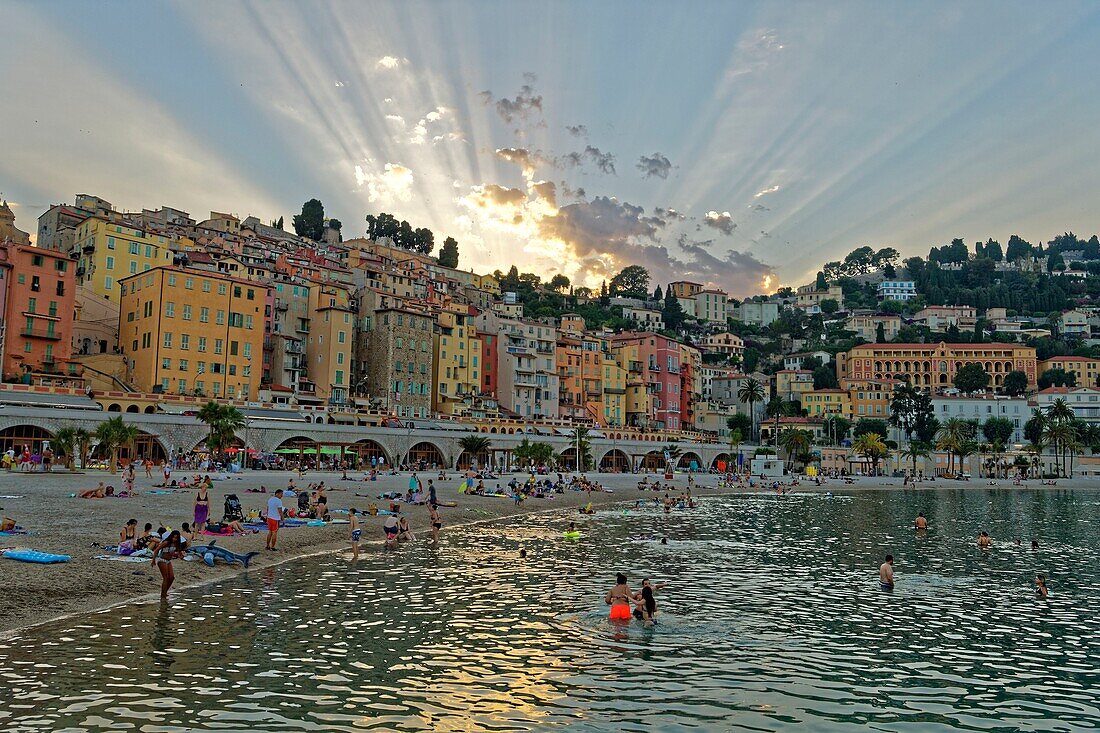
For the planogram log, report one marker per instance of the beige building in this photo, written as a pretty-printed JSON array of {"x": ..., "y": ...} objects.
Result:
[
  {"x": 866, "y": 325},
  {"x": 329, "y": 341},
  {"x": 398, "y": 368},
  {"x": 8, "y": 230},
  {"x": 95, "y": 329}
]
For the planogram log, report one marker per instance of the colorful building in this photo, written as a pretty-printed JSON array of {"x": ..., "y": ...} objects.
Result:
[
  {"x": 1085, "y": 370},
  {"x": 329, "y": 341},
  {"x": 653, "y": 379},
  {"x": 111, "y": 250},
  {"x": 821, "y": 403},
  {"x": 933, "y": 366},
  {"x": 39, "y": 296},
  {"x": 456, "y": 361},
  {"x": 190, "y": 332}
]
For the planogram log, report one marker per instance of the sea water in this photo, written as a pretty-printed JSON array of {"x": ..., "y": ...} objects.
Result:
[{"x": 771, "y": 619}]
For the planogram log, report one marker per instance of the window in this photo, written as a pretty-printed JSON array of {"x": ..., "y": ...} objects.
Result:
[
  {"x": 187, "y": 312},
  {"x": 219, "y": 345},
  {"x": 236, "y": 320},
  {"x": 170, "y": 309},
  {"x": 110, "y": 242},
  {"x": 146, "y": 340},
  {"x": 108, "y": 283},
  {"x": 171, "y": 281},
  {"x": 232, "y": 370},
  {"x": 236, "y": 291},
  {"x": 339, "y": 357},
  {"x": 217, "y": 389},
  {"x": 339, "y": 376},
  {"x": 247, "y": 371},
  {"x": 148, "y": 250},
  {"x": 200, "y": 368},
  {"x": 222, "y": 289},
  {"x": 133, "y": 267},
  {"x": 248, "y": 322},
  {"x": 167, "y": 339},
  {"x": 133, "y": 248},
  {"x": 204, "y": 314},
  {"x": 251, "y": 294},
  {"x": 219, "y": 318},
  {"x": 182, "y": 386},
  {"x": 110, "y": 262},
  {"x": 166, "y": 363},
  {"x": 233, "y": 347},
  {"x": 202, "y": 344},
  {"x": 36, "y": 283},
  {"x": 189, "y": 283},
  {"x": 185, "y": 341}
]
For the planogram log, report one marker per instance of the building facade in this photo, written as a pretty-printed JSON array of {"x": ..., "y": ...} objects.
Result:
[
  {"x": 933, "y": 366},
  {"x": 38, "y": 301}
]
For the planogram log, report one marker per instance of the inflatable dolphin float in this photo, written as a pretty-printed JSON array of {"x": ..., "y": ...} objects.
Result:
[{"x": 211, "y": 552}]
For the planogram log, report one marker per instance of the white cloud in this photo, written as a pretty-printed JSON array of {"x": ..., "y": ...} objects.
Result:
[
  {"x": 391, "y": 62},
  {"x": 394, "y": 183},
  {"x": 723, "y": 222},
  {"x": 766, "y": 191}
]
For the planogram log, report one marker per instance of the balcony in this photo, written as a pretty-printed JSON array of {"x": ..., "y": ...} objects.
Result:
[
  {"x": 281, "y": 305},
  {"x": 40, "y": 333},
  {"x": 654, "y": 367},
  {"x": 89, "y": 248},
  {"x": 674, "y": 370},
  {"x": 636, "y": 367},
  {"x": 545, "y": 349},
  {"x": 293, "y": 347},
  {"x": 302, "y": 327}
]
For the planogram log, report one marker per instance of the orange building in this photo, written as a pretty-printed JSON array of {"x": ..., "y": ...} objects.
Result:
[
  {"x": 39, "y": 302},
  {"x": 933, "y": 366},
  {"x": 870, "y": 397}
]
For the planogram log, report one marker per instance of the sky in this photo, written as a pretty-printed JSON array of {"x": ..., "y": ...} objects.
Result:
[{"x": 738, "y": 144}]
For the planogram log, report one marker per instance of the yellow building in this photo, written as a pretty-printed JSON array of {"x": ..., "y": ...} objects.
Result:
[
  {"x": 330, "y": 341},
  {"x": 638, "y": 398},
  {"x": 1086, "y": 370},
  {"x": 791, "y": 384},
  {"x": 192, "y": 332},
  {"x": 110, "y": 251},
  {"x": 870, "y": 397},
  {"x": 825, "y": 402},
  {"x": 457, "y": 366},
  {"x": 614, "y": 388}
]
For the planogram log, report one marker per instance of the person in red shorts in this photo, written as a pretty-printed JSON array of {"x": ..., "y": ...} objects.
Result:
[
  {"x": 274, "y": 517},
  {"x": 619, "y": 598}
]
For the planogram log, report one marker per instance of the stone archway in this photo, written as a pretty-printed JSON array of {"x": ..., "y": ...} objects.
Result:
[
  {"x": 426, "y": 454},
  {"x": 687, "y": 458},
  {"x": 615, "y": 461}
]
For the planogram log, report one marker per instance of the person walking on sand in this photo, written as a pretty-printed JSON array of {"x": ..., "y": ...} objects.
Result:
[
  {"x": 886, "y": 573},
  {"x": 274, "y": 518},
  {"x": 202, "y": 508},
  {"x": 166, "y": 551},
  {"x": 356, "y": 533}
]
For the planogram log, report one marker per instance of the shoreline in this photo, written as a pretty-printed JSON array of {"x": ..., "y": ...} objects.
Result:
[{"x": 58, "y": 592}]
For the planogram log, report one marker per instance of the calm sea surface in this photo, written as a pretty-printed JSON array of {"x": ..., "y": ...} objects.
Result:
[{"x": 772, "y": 620}]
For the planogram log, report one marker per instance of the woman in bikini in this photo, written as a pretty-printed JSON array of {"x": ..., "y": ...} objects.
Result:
[
  {"x": 620, "y": 598},
  {"x": 128, "y": 534},
  {"x": 167, "y": 551},
  {"x": 202, "y": 508},
  {"x": 437, "y": 523}
]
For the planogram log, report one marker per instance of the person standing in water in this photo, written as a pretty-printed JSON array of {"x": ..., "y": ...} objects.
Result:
[
  {"x": 437, "y": 523},
  {"x": 921, "y": 522},
  {"x": 167, "y": 551},
  {"x": 356, "y": 533},
  {"x": 886, "y": 573},
  {"x": 1041, "y": 587},
  {"x": 984, "y": 540},
  {"x": 647, "y": 604},
  {"x": 619, "y": 598}
]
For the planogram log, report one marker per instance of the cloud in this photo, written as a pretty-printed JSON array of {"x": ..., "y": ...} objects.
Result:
[
  {"x": 577, "y": 130},
  {"x": 397, "y": 119},
  {"x": 654, "y": 165},
  {"x": 521, "y": 107},
  {"x": 391, "y": 62},
  {"x": 491, "y": 194},
  {"x": 741, "y": 272},
  {"x": 394, "y": 183},
  {"x": 572, "y": 193},
  {"x": 766, "y": 191},
  {"x": 527, "y": 160},
  {"x": 486, "y": 97},
  {"x": 669, "y": 215},
  {"x": 604, "y": 161},
  {"x": 723, "y": 222}
]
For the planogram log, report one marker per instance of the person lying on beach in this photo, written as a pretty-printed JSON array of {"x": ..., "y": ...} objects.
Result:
[
  {"x": 7, "y": 524},
  {"x": 187, "y": 534},
  {"x": 99, "y": 492}
]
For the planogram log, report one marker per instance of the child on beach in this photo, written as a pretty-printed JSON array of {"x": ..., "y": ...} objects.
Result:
[
  {"x": 167, "y": 551},
  {"x": 356, "y": 533}
]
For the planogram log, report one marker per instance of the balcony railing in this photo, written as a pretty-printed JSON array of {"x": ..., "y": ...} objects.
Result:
[{"x": 40, "y": 333}]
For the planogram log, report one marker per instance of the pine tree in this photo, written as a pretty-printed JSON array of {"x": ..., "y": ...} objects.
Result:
[{"x": 448, "y": 253}]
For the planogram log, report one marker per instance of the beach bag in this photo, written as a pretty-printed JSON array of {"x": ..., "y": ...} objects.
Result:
[{"x": 126, "y": 548}]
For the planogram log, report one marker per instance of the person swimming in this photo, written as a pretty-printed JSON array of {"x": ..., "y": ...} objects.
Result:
[
  {"x": 1041, "y": 587},
  {"x": 984, "y": 540},
  {"x": 619, "y": 598},
  {"x": 886, "y": 573}
]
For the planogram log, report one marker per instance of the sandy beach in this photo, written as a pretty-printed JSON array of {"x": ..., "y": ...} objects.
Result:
[{"x": 61, "y": 524}]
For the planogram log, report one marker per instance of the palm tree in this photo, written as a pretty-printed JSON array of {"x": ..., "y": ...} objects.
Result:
[
  {"x": 82, "y": 439},
  {"x": 950, "y": 438},
  {"x": 579, "y": 441},
  {"x": 776, "y": 408},
  {"x": 795, "y": 442},
  {"x": 915, "y": 450},
  {"x": 113, "y": 435},
  {"x": 751, "y": 392},
  {"x": 1060, "y": 411},
  {"x": 223, "y": 421},
  {"x": 64, "y": 442},
  {"x": 871, "y": 446},
  {"x": 541, "y": 453},
  {"x": 672, "y": 454},
  {"x": 1061, "y": 436},
  {"x": 964, "y": 449},
  {"x": 477, "y": 446},
  {"x": 211, "y": 414}
]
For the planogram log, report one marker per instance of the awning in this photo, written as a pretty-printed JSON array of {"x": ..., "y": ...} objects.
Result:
[
  {"x": 326, "y": 450},
  {"x": 46, "y": 399}
]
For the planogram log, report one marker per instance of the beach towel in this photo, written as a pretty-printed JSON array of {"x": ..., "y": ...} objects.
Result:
[
  {"x": 9, "y": 496},
  {"x": 13, "y": 532}
]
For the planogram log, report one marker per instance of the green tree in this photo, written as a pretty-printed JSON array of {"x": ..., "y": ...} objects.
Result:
[
  {"x": 1057, "y": 377},
  {"x": 971, "y": 378},
  {"x": 836, "y": 428},
  {"x": 795, "y": 442},
  {"x": 1035, "y": 427},
  {"x": 871, "y": 425},
  {"x": 872, "y": 447},
  {"x": 829, "y": 306},
  {"x": 631, "y": 282},
  {"x": 915, "y": 450},
  {"x": 64, "y": 444},
  {"x": 740, "y": 422},
  {"x": 776, "y": 409},
  {"x": 750, "y": 392},
  {"x": 824, "y": 378},
  {"x": 114, "y": 435},
  {"x": 448, "y": 253},
  {"x": 880, "y": 333},
  {"x": 998, "y": 430},
  {"x": 672, "y": 313},
  {"x": 559, "y": 283},
  {"x": 222, "y": 422},
  {"x": 311, "y": 222},
  {"x": 822, "y": 283},
  {"x": 1015, "y": 383},
  {"x": 478, "y": 448}
]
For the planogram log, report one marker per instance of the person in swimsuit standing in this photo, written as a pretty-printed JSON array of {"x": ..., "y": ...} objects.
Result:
[
  {"x": 437, "y": 523},
  {"x": 202, "y": 508},
  {"x": 167, "y": 551},
  {"x": 647, "y": 604},
  {"x": 356, "y": 533},
  {"x": 1041, "y": 587},
  {"x": 619, "y": 598},
  {"x": 886, "y": 573}
]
